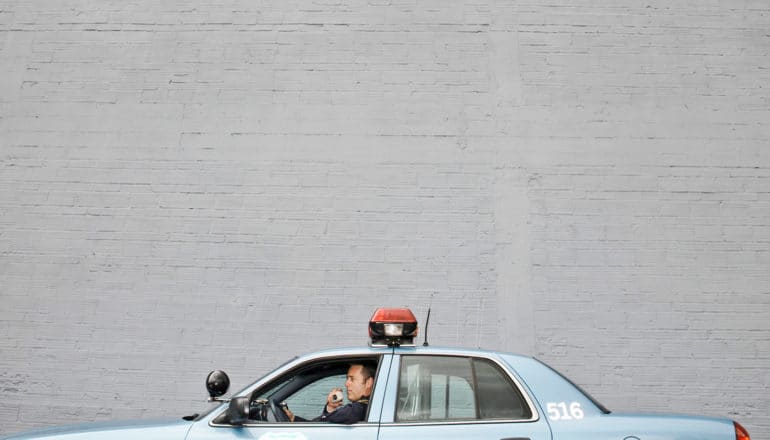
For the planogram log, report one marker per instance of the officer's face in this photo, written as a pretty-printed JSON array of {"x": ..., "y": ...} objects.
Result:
[{"x": 358, "y": 387}]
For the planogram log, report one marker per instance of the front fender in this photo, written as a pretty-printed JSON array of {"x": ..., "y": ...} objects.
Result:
[{"x": 133, "y": 430}]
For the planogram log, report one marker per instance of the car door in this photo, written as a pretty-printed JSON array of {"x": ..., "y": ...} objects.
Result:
[
  {"x": 457, "y": 397},
  {"x": 306, "y": 402}
]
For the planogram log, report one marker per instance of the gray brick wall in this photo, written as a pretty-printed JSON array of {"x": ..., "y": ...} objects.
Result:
[{"x": 587, "y": 182}]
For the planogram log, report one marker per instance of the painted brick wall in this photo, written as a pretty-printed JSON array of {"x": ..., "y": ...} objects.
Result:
[{"x": 181, "y": 183}]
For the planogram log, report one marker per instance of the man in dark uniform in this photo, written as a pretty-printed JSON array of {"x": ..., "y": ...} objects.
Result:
[{"x": 359, "y": 385}]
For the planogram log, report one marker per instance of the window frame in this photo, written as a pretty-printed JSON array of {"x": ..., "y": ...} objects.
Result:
[
  {"x": 255, "y": 389},
  {"x": 502, "y": 368}
]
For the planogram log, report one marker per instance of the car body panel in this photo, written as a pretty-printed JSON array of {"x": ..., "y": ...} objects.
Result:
[
  {"x": 644, "y": 427},
  {"x": 559, "y": 410},
  {"x": 559, "y": 399},
  {"x": 175, "y": 429},
  {"x": 285, "y": 431}
]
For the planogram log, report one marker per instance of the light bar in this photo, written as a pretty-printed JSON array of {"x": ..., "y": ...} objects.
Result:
[{"x": 392, "y": 327}]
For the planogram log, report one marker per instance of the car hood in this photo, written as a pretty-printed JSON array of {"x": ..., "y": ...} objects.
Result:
[{"x": 174, "y": 429}]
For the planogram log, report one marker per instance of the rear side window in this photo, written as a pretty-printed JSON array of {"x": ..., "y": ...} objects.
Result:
[
  {"x": 446, "y": 388},
  {"x": 498, "y": 397}
]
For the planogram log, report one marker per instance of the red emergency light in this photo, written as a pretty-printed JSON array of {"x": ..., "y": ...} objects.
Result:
[{"x": 392, "y": 327}]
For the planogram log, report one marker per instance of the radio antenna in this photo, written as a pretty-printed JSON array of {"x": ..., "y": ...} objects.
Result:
[{"x": 427, "y": 320}]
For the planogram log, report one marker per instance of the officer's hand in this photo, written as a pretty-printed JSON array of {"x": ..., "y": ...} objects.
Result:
[
  {"x": 289, "y": 414},
  {"x": 333, "y": 403}
]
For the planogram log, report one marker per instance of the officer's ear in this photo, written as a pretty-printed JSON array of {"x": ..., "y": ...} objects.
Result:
[{"x": 369, "y": 383}]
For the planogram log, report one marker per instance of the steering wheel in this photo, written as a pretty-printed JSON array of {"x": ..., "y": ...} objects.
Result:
[{"x": 277, "y": 411}]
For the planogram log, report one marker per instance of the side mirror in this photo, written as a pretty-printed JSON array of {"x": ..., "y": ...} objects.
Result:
[
  {"x": 217, "y": 384},
  {"x": 238, "y": 410}
]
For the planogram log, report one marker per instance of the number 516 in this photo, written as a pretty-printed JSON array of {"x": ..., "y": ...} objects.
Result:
[{"x": 560, "y": 411}]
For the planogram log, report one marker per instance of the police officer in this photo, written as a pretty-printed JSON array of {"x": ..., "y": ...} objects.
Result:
[{"x": 359, "y": 385}]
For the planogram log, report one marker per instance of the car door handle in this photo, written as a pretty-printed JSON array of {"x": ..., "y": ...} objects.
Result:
[{"x": 515, "y": 438}]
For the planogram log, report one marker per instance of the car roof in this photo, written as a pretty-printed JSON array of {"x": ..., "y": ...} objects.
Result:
[{"x": 404, "y": 350}]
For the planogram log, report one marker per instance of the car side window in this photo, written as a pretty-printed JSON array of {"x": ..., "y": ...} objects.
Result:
[
  {"x": 498, "y": 397},
  {"x": 446, "y": 388},
  {"x": 303, "y": 389},
  {"x": 309, "y": 401}
]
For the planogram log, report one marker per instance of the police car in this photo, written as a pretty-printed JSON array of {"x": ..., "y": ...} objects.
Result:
[{"x": 416, "y": 392}]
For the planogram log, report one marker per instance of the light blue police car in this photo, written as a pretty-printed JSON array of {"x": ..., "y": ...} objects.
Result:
[{"x": 417, "y": 392}]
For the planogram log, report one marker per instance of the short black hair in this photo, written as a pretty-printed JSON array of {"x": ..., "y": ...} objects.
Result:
[{"x": 368, "y": 369}]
